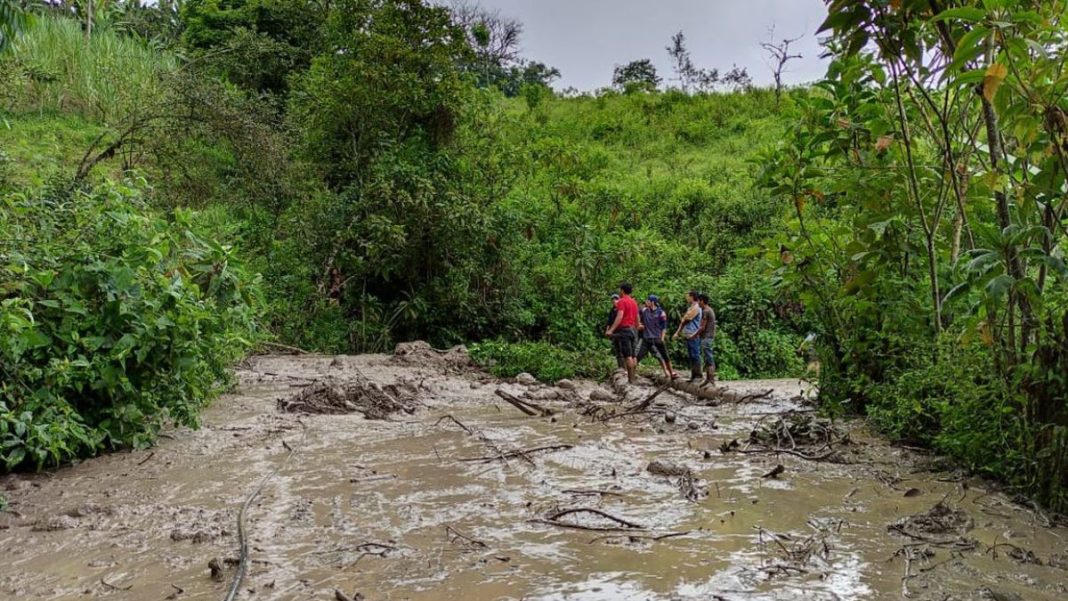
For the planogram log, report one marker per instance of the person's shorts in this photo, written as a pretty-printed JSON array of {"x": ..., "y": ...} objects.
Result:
[
  {"x": 625, "y": 342},
  {"x": 706, "y": 351},
  {"x": 654, "y": 347},
  {"x": 693, "y": 349}
]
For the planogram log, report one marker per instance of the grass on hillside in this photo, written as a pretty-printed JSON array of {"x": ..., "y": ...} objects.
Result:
[
  {"x": 35, "y": 149},
  {"x": 54, "y": 68}
]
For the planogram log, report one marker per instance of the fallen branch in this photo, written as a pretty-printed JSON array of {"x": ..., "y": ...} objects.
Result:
[
  {"x": 636, "y": 537},
  {"x": 649, "y": 399},
  {"x": 777, "y": 450},
  {"x": 611, "y": 416},
  {"x": 960, "y": 543},
  {"x": 555, "y": 517},
  {"x": 455, "y": 421},
  {"x": 365, "y": 550},
  {"x": 113, "y": 587},
  {"x": 711, "y": 392},
  {"x": 522, "y": 453},
  {"x": 577, "y": 526},
  {"x": 526, "y": 407},
  {"x": 580, "y": 491},
  {"x": 454, "y": 535}
]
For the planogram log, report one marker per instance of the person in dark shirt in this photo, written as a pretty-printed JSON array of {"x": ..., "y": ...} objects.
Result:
[
  {"x": 624, "y": 330},
  {"x": 611, "y": 320},
  {"x": 708, "y": 335},
  {"x": 653, "y": 327}
]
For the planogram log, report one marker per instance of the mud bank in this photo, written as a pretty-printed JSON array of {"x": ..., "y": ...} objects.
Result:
[{"x": 455, "y": 493}]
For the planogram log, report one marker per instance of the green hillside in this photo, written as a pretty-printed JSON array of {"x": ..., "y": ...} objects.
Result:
[{"x": 188, "y": 181}]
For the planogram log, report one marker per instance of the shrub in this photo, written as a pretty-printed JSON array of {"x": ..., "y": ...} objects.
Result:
[
  {"x": 544, "y": 361},
  {"x": 957, "y": 405},
  {"x": 113, "y": 321}
]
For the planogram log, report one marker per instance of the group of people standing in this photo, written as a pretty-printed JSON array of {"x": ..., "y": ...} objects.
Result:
[{"x": 637, "y": 332}]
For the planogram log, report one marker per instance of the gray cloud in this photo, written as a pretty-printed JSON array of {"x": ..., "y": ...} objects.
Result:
[{"x": 585, "y": 39}]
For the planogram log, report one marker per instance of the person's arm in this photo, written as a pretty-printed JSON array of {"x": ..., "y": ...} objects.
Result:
[
  {"x": 615, "y": 324},
  {"x": 711, "y": 322},
  {"x": 663, "y": 326},
  {"x": 691, "y": 313}
]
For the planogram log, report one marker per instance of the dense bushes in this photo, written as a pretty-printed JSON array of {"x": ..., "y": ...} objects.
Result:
[
  {"x": 546, "y": 362},
  {"x": 924, "y": 240},
  {"x": 112, "y": 322}
]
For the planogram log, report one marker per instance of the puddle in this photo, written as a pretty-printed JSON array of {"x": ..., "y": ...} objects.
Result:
[{"x": 416, "y": 507}]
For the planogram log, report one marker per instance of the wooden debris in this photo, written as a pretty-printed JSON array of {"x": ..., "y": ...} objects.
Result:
[
  {"x": 553, "y": 519},
  {"x": 711, "y": 392},
  {"x": 527, "y": 407},
  {"x": 524, "y": 453}
]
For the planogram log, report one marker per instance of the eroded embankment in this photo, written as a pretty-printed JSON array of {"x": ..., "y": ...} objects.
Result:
[{"x": 415, "y": 477}]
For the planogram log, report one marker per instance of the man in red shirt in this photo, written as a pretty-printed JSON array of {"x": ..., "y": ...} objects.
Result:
[{"x": 624, "y": 330}]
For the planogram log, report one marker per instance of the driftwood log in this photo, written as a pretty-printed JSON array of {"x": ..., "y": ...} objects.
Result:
[{"x": 711, "y": 392}]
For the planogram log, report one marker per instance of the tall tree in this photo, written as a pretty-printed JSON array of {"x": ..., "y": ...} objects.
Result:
[
  {"x": 779, "y": 53},
  {"x": 639, "y": 75},
  {"x": 685, "y": 72},
  {"x": 693, "y": 78}
]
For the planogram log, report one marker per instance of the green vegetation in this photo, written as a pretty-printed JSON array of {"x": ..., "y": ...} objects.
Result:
[
  {"x": 112, "y": 321},
  {"x": 396, "y": 170},
  {"x": 927, "y": 184},
  {"x": 546, "y": 362}
]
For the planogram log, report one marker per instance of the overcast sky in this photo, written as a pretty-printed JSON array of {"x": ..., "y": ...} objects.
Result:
[{"x": 585, "y": 39}]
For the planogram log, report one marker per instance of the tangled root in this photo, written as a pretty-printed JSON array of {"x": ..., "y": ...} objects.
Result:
[
  {"x": 421, "y": 354},
  {"x": 335, "y": 396}
]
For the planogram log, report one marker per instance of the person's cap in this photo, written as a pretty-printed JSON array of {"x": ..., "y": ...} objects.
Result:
[{"x": 653, "y": 298}]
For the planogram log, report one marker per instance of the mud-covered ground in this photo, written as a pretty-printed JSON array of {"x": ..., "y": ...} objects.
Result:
[{"x": 429, "y": 485}]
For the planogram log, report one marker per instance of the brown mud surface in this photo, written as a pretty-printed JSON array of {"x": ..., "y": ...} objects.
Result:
[{"x": 412, "y": 478}]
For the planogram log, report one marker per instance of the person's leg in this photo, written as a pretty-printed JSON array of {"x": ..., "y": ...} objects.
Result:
[
  {"x": 667, "y": 360},
  {"x": 644, "y": 348},
  {"x": 693, "y": 349},
  {"x": 710, "y": 360},
  {"x": 617, "y": 351},
  {"x": 632, "y": 360},
  {"x": 660, "y": 352}
]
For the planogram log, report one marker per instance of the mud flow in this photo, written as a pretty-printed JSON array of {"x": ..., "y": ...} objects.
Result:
[{"x": 417, "y": 477}]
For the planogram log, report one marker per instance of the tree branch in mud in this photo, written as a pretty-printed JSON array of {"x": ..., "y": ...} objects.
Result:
[
  {"x": 553, "y": 519},
  {"x": 637, "y": 537},
  {"x": 113, "y": 587},
  {"x": 711, "y": 392},
  {"x": 580, "y": 491},
  {"x": 521, "y": 453},
  {"x": 649, "y": 399},
  {"x": 455, "y": 421},
  {"x": 527, "y": 407},
  {"x": 453, "y": 535},
  {"x": 375, "y": 549}
]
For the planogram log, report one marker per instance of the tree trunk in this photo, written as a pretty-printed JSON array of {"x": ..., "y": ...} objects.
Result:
[{"x": 711, "y": 392}]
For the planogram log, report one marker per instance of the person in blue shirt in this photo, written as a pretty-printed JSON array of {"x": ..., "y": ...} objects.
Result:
[
  {"x": 653, "y": 327},
  {"x": 690, "y": 325}
]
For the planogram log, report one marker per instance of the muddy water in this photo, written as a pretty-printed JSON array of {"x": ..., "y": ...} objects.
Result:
[{"x": 390, "y": 509}]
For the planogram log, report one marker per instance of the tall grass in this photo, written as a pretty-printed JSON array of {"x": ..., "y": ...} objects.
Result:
[{"x": 108, "y": 77}]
